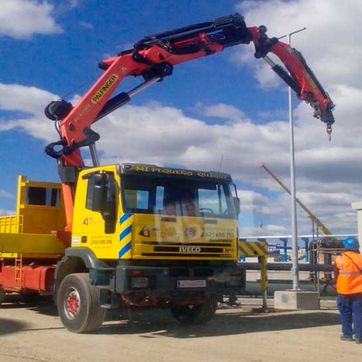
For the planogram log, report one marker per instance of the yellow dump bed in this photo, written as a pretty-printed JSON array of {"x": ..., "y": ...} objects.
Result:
[
  {"x": 39, "y": 213},
  {"x": 9, "y": 224}
]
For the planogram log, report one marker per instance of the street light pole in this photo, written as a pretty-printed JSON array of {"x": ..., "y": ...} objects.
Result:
[{"x": 295, "y": 268}]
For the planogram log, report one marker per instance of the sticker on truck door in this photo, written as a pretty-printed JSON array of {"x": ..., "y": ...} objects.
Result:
[{"x": 191, "y": 283}]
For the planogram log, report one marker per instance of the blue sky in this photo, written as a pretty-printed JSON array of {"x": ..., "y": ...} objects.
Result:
[
  {"x": 95, "y": 29},
  {"x": 225, "y": 107}
]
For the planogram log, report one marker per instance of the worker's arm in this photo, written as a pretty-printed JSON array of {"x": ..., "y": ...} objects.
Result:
[
  {"x": 337, "y": 263},
  {"x": 336, "y": 273}
]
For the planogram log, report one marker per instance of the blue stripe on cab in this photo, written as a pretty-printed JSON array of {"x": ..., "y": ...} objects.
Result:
[
  {"x": 124, "y": 250},
  {"x": 124, "y": 217},
  {"x": 125, "y": 232}
]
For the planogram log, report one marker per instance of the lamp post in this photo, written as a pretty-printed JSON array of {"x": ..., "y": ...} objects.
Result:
[{"x": 295, "y": 268}]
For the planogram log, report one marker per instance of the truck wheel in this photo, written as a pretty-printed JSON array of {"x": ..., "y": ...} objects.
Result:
[
  {"x": 78, "y": 304},
  {"x": 195, "y": 314},
  {"x": 2, "y": 295}
]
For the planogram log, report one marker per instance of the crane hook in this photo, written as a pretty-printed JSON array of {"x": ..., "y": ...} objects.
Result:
[{"x": 329, "y": 131}]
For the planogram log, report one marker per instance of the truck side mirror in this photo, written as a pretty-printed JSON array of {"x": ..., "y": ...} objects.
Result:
[
  {"x": 237, "y": 205},
  {"x": 97, "y": 192}
]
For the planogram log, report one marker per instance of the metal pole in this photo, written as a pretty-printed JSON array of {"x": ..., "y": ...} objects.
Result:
[
  {"x": 264, "y": 281},
  {"x": 94, "y": 154},
  {"x": 295, "y": 269},
  {"x": 143, "y": 86}
]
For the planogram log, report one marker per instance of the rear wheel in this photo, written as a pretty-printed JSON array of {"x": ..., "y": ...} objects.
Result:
[
  {"x": 79, "y": 305},
  {"x": 195, "y": 313}
]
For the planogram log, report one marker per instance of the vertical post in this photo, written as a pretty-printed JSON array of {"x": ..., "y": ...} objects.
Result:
[
  {"x": 94, "y": 155},
  {"x": 295, "y": 268},
  {"x": 264, "y": 281},
  {"x": 295, "y": 271},
  {"x": 306, "y": 248},
  {"x": 285, "y": 249},
  {"x": 241, "y": 257},
  {"x": 317, "y": 272}
]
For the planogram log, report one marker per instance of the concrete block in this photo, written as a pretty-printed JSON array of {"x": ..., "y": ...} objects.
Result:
[{"x": 296, "y": 299}]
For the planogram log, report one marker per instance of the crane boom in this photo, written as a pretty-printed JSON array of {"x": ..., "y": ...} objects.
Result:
[{"x": 154, "y": 58}]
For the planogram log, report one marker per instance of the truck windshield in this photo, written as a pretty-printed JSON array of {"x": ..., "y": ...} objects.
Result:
[{"x": 177, "y": 196}]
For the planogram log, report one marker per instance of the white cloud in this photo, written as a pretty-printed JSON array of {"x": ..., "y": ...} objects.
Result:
[
  {"x": 74, "y": 3},
  {"x": 258, "y": 203},
  {"x": 7, "y": 212},
  {"x": 86, "y": 25},
  {"x": 31, "y": 101},
  {"x": 6, "y": 195},
  {"x": 330, "y": 43},
  {"x": 164, "y": 135},
  {"x": 23, "y": 18},
  {"x": 328, "y": 173},
  {"x": 262, "y": 230},
  {"x": 221, "y": 111}
]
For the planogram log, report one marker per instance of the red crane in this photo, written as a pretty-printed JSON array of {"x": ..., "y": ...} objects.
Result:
[{"x": 153, "y": 58}]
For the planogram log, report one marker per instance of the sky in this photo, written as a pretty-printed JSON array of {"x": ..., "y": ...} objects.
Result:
[{"x": 227, "y": 112}]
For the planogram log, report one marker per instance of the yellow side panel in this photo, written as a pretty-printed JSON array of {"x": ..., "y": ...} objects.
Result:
[
  {"x": 31, "y": 256},
  {"x": 29, "y": 244},
  {"x": 38, "y": 219},
  {"x": 30, "y": 218},
  {"x": 41, "y": 219},
  {"x": 9, "y": 224}
]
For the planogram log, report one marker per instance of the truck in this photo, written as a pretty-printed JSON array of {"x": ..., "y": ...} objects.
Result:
[{"x": 136, "y": 235}]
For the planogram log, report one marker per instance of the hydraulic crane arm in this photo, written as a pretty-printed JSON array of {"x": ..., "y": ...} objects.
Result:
[
  {"x": 153, "y": 58},
  {"x": 300, "y": 78}
]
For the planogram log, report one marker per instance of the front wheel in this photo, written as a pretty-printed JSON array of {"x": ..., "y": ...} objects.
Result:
[
  {"x": 79, "y": 305},
  {"x": 195, "y": 313}
]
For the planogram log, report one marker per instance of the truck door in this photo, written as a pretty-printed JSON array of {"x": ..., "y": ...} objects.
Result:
[{"x": 95, "y": 213}]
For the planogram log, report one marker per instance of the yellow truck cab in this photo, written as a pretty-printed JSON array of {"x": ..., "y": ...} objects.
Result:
[{"x": 145, "y": 235}]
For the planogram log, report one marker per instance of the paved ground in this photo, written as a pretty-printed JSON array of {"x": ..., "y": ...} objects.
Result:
[{"x": 235, "y": 334}]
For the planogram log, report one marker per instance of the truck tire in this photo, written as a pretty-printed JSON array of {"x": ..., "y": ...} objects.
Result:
[
  {"x": 195, "y": 314},
  {"x": 78, "y": 304},
  {"x": 2, "y": 295}
]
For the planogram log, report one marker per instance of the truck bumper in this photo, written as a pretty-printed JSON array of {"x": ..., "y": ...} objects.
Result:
[{"x": 177, "y": 279}]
